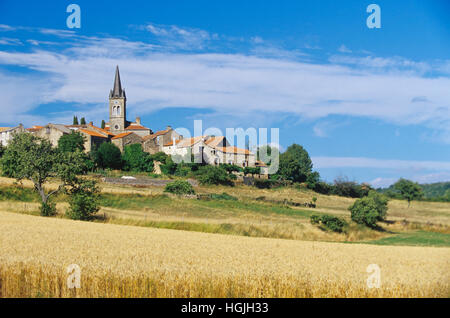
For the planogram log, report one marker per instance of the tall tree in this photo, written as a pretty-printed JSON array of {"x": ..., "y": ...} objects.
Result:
[
  {"x": 103, "y": 124},
  {"x": 82, "y": 121},
  {"x": 295, "y": 164},
  {"x": 75, "y": 120},
  {"x": 408, "y": 189}
]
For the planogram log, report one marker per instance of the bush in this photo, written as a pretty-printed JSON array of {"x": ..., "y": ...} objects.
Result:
[
  {"x": 345, "y": 188},
  {"x": 159, "y": 156},
  {"x": 381, "y": 202},
  {"x": 179, "y": 187},
  {"x": 107, "y": 156},
  {"x": 252, "y": 170},
  {"x": 183, "y": 170},
  {"x": 329, "y": 222},
  {"x": 48, "y": 209},
  {"x": 365, "y": 211},
  {"x": 169, "y": 167},
  {"x": 83, "y": 201},
  {"x": 214, "y": 175},
  {"x": 333, "y": 223},
  {"x": 71, "y": 142},
  {"x": 264, "y": 183},
  {"x": 135, "y": 159},
  {"x": 315, "y": 219}
]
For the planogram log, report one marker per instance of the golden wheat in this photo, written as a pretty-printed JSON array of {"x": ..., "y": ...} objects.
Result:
[{"x": 126, "y": 261}]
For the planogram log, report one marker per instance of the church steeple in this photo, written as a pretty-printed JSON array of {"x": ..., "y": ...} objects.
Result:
[
  {"x": 117, "y": 90},
  {"x": 117, "y": 106}
]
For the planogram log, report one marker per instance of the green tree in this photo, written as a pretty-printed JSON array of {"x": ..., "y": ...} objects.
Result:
[
  {"x": 83, "y": 200},
  {"x": 107, "y": 156},
  {"x": 135, "y": 159},
  {"x": 295, "y": 164},
  {"x": 408, "y": 189},
  {"x": 71, "y": 142},
  {"x": 381, "y": 202},
  {"x": 2, "y": 150},
  {"x": 75, "y": 120},
  {"x": 33, "y": 158},
  {"x": 103, "y": 124},
  {"x": 82, "y": 121},
  {"x": 365, "y": 211}
]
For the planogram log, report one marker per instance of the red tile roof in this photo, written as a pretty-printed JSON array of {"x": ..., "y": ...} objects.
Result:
[
  {"x": 136, "y": 127},
  {"x": 92, "y": 133},
  {"x": 122, "y": 135}
]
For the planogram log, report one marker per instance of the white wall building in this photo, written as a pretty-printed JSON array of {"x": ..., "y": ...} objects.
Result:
[{"x": 6, "y": 133}]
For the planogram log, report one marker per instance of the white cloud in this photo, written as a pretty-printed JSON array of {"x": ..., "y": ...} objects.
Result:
[
  {"x": 269, "y": 85},
  {"x": 422, "y": 179},
  {"x": 344, "y": 49}
]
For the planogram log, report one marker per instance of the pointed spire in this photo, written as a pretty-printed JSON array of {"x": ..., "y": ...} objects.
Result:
[{"x": 117, "y": 89}]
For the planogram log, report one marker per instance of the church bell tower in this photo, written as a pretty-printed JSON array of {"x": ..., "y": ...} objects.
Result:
[{"x": 117, "y": 106}]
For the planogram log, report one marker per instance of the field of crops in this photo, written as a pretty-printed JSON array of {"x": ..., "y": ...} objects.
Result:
[{"x": 128, "y": 261}]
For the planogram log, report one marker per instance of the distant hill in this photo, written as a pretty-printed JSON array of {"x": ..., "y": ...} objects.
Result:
[{"x": 439, "y": 191}]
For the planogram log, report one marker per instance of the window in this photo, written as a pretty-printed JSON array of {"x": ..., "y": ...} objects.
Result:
[
  {"x": 116, "y": 127},
  {"x": 118, "y": 110}
]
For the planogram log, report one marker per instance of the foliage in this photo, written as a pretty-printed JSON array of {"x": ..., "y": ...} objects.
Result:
[
  {"x": 159, "y": 156},
  {"x": 169, "y": 167},
  {"x": 409, "y": 190},
  {"x": 179, "y": 187},
  {"x": 71, "y": 142},
  {"x": 365, "y": 211},
  {"x": 107, "y": 156},
  {"x": 381, "y": 202},
  {"x": 252, "y": 170},
  {"x": 213, "y": 175},
  {"x": 82, "y": 121},
  {"x": 223, "y": 196},
  {"x": 295, "y": 164},
  {"x": 2, "y": 150},
  {"x": 48, "y": 209},
  {"x": 232, "y": 168},
  {"x": 83, "y": 202},
  {"x": 312, "y": 180},
  {"x": 183, "y": 170},
  {"x": 103, "y": 124},
  {"x": 137, "y": 160},
  {"x": 75, "y": 120},
  {"x": 33, "y": 158},
  {"x": 328, "y": 222},
  {"x": 344, "y": 187}
]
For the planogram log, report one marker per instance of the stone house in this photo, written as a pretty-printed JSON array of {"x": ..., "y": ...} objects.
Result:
[
  {"x": 154, "y": 143},
  {"x": 7, "y": 133},
  {"x": 126, "y": 138}
]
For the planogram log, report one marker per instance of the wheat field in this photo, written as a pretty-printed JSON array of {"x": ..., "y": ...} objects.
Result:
[{"x": 127, "y": 261}]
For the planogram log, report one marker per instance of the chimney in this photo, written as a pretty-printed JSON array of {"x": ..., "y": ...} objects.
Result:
[
  {"x": 138, "y": 120},
  {"x": 91, "y": 123},
  {"x": 169, "y": 127}
]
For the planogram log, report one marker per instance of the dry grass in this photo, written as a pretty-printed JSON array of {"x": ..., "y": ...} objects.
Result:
[{"x": 125, "y": 261}]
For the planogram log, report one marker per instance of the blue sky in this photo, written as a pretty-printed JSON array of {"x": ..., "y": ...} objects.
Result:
[{"x": 369, "y": 104}]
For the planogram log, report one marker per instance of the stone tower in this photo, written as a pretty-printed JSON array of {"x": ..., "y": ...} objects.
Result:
[{"x": 117, "y": 106}]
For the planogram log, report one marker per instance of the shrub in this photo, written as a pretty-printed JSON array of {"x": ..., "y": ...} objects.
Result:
[
  {"x": 179, "y": 187},
  {"x": 315, "y": 219},
  {"x": 346, "y": 188},
  {"x": 264, "y": 183},
  {"x": 135, "y": 159},
  {"x": 71, "y": 142},
  {"x": 159, "y": 156},
  {"x": 169, "y": 167},
  {"x": 333, "y": 223},
  {"x": 252, "y": 170},
  {"x": 48, "y": 209},
  {"x": 83, "y": 201},
  {"x": 214, "y": 175},
  {"x": 381, "y": 202},
  {"x": 328, "y": 222},
  {"x": 183, "y": 170},
  {"x": 107, "y": 155},
  {"x": 365, "y": 211}
]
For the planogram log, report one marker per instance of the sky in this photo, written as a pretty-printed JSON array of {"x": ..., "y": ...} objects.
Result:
[{"x": 371, "y": 105}]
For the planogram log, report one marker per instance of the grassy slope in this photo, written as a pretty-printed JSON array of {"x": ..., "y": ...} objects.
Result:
[{"x": 247, "y": 216}]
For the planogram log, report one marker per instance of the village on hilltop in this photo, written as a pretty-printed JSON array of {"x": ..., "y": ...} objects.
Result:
[{"x": 214, "y": 150}]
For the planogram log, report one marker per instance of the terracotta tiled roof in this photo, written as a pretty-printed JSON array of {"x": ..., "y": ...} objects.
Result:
[
  {"x": 92, "y": 133},
  {"x": 105, "y": 131},
  {"x": 259, "y": 163},
  {"x": 136, "y": 127},
  {"x": 234, "y": 150},
  {"x": 4, "y": 128},
  {"x": 35, "y": 128},
  {"x": 214, "y": 141},
  {"x": 122, "y": 135},
  {"x": 156, "y": 134},
  {"x": 188, "y": 142}
]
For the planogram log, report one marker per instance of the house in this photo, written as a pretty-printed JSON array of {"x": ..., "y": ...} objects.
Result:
[
  {"x": 6, "y": 134},
  {"x": 52, "y": 132},
  {"x": 154, "y": 143},
  {"x": 213, "y": 150},
  {"x": 126, "y": 138}
]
